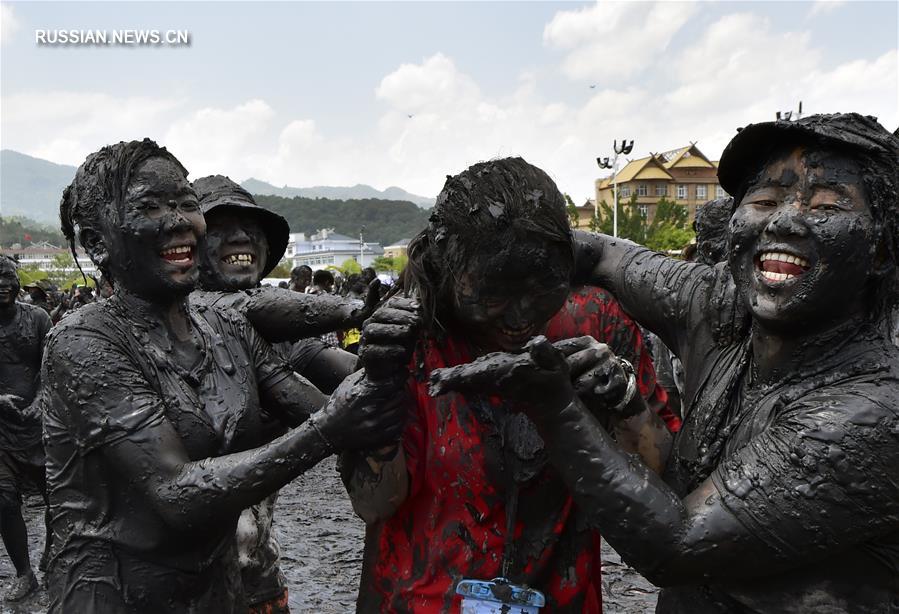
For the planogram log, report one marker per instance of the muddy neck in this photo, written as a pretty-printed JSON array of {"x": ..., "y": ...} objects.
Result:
[
  {"x": 7, "y": 312},
  {"x": 777, "y": 355},
  {"x": 170, "y": 312}
]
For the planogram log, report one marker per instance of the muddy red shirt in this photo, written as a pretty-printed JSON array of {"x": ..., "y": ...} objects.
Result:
[{"x": 452, "y": 525}]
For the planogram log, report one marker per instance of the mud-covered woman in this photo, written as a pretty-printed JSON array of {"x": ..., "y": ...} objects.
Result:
[
  {"x": 244, "y": 242},
  {"x": 781, "y": 492},
  {"x": 469, "y": 494},
  {"x": 153, "y": 431}
]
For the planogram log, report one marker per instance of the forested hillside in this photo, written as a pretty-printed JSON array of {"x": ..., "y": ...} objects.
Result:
[{"x": 385, "y": 221}]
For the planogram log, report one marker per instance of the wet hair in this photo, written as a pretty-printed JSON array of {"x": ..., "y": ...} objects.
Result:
[
  {"x": 880, "y": 182},
  {"x": 295, "y": 272},
  {"x": 6, "y": 261},
  {"x": 712, "y": 226},
  {"x": 322, "y": 277},
  {"x": 491, "y": 204},
  {"x": 98, "y": 189}
]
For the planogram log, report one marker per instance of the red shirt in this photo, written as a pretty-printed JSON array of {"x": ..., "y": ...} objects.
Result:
[{"x": 453, "y": 523}]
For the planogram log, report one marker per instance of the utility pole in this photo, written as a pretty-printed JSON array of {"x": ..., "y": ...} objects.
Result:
[
  {"x": 361, "y": 247},
  {"x": 625, "y": 148}
]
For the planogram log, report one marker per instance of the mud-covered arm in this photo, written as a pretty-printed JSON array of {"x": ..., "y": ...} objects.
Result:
[
  {"x": 110, "y": 409},
  {"x": 821, "y": 478},
  {"x": 378, "y": 481},
  {"x": 669, "y": 297},
  {"x": 324, "y": 366},
  {"x": 283, "y": 315},
  {"x": 817, "y": 481},
  {"x": 284, "y": 393}
]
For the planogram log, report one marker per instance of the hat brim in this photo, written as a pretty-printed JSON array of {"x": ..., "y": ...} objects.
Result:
[{"x": 754, "y": 144}]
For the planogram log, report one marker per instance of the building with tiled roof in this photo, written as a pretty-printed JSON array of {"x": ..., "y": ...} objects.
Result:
[{"x": 684, "y": 175}]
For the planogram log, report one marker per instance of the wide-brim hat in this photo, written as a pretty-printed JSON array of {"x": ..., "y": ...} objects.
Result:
[
  {"x": 220, "y": 194},
  {"x": 754, "y": 144}
]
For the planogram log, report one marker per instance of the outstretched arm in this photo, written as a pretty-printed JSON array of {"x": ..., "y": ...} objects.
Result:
[
  {"x": 283, "y": 315},
  {"x": 111, "y": 409},
  {"x": 672, "y": 298},
  {"x": 754, "y": 515}
]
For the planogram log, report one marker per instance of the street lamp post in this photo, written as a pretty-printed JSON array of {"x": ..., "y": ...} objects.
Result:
[
  {"x": 361, "y": 247},
  {"x": 625, "y": 148}
]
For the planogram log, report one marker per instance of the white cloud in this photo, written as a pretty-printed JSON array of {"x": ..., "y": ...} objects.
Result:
[
  {"x": 434, "y": 84},
  {"x": 65, "y": 126},
  {"x": 9, "y": 23},
  {"x": 614, "y": 40},
  {"x": 738, "y": 69},
  {"x": 212, "y": 139},
  {"x": 822, "y": 7}
]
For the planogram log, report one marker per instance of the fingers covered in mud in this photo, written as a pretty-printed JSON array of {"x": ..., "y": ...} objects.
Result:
[
  {"x": 536, "y": 377},
  {"x": 482, "y": 375},
  {"x": 364, "y": 414},
  {"x": 598, "y": 376},
  {"x": 388, "y": 337}
]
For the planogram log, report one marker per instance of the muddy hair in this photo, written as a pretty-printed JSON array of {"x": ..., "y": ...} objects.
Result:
[
  {"x": 880, "y": 180},
  {"x": 9, "y": 261},
  {"x": 97, "y": 192},
  {"x": 477, "y": 210}
]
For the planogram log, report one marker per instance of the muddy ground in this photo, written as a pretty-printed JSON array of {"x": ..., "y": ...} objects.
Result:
[{"x": 321, "y": 541}]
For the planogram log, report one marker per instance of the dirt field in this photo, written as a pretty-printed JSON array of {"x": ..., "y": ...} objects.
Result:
[{"x": 321, "y": 541}]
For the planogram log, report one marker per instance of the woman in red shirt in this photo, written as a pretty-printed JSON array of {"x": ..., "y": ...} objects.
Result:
[{"x": 469, "y": 494}]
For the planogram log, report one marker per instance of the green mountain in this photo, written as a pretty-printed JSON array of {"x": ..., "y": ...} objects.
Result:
[
  {"x": 357, "y": 192},
  {"x": 385, "y": 221},
  {"x": 32, "y": 187}
]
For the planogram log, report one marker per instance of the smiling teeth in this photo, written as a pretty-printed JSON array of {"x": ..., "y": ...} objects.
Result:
[
  {"x": 181, "y": 249},
  {"x": 782, "y": 257},
  {"x": 770, "y": 276},
  {"x": 240, "y": 259}
]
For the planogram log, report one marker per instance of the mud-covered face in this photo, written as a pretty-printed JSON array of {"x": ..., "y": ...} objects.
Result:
[
  {"x": 236, "y": 251},
  {"x": 502, "y": 300},
  {"x": 804, "y": 241},
  {"x": 152, "y": 251},
  {"x": 9, "y": 285},
  {"x": 303, "y": 278}
]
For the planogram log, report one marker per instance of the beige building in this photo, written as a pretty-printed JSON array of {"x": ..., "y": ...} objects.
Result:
[
  {"x": 685, "y": 176},
  {"x": 397, "y": 249}
]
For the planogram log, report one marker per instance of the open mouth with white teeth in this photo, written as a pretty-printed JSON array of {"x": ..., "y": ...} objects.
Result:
[
  {"x": 240, "y": 259},
  {"x": 180, "y": 254},
  {"x": 517, "y": 334},
  {"x": 780, "y": 266}
]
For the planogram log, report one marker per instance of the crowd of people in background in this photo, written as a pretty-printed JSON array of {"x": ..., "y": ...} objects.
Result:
[{"x": 727, "y": 420}]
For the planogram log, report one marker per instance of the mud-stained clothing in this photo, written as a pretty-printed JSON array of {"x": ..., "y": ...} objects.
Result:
[
  {"x": 113, "y": 552},
  {"x": 21, "y": 349},
  {"x": 257, "y": 547},
  {"x": 452, "y": 525},
  {"x": 808, "y": 464}
]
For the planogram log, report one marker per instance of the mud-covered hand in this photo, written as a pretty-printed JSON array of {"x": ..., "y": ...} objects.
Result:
[
  {"x": 605, "y": 383},
  {"x": 363, "y": 413},
  {"x": 372, "y": 298},
  {"x": 388, "y": 338},
  {"x": 537, "y": 378}
]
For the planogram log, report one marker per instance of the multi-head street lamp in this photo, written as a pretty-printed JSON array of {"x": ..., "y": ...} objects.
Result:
[{"x": 624, "y": 149}]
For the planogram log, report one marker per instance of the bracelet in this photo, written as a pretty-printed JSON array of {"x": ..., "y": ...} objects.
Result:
[
  {"x": 631, "y": 389},
  {"x": 330, "y": 446}
]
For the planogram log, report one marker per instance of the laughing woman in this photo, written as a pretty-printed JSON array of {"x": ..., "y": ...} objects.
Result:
[
  {"x": 781, "y": 492},
  {"x": 470, "y": 493},
  {"x": 154, "y": 432}
]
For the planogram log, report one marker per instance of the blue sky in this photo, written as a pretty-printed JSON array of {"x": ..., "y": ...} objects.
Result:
[{"x": 320, "y": 93}]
